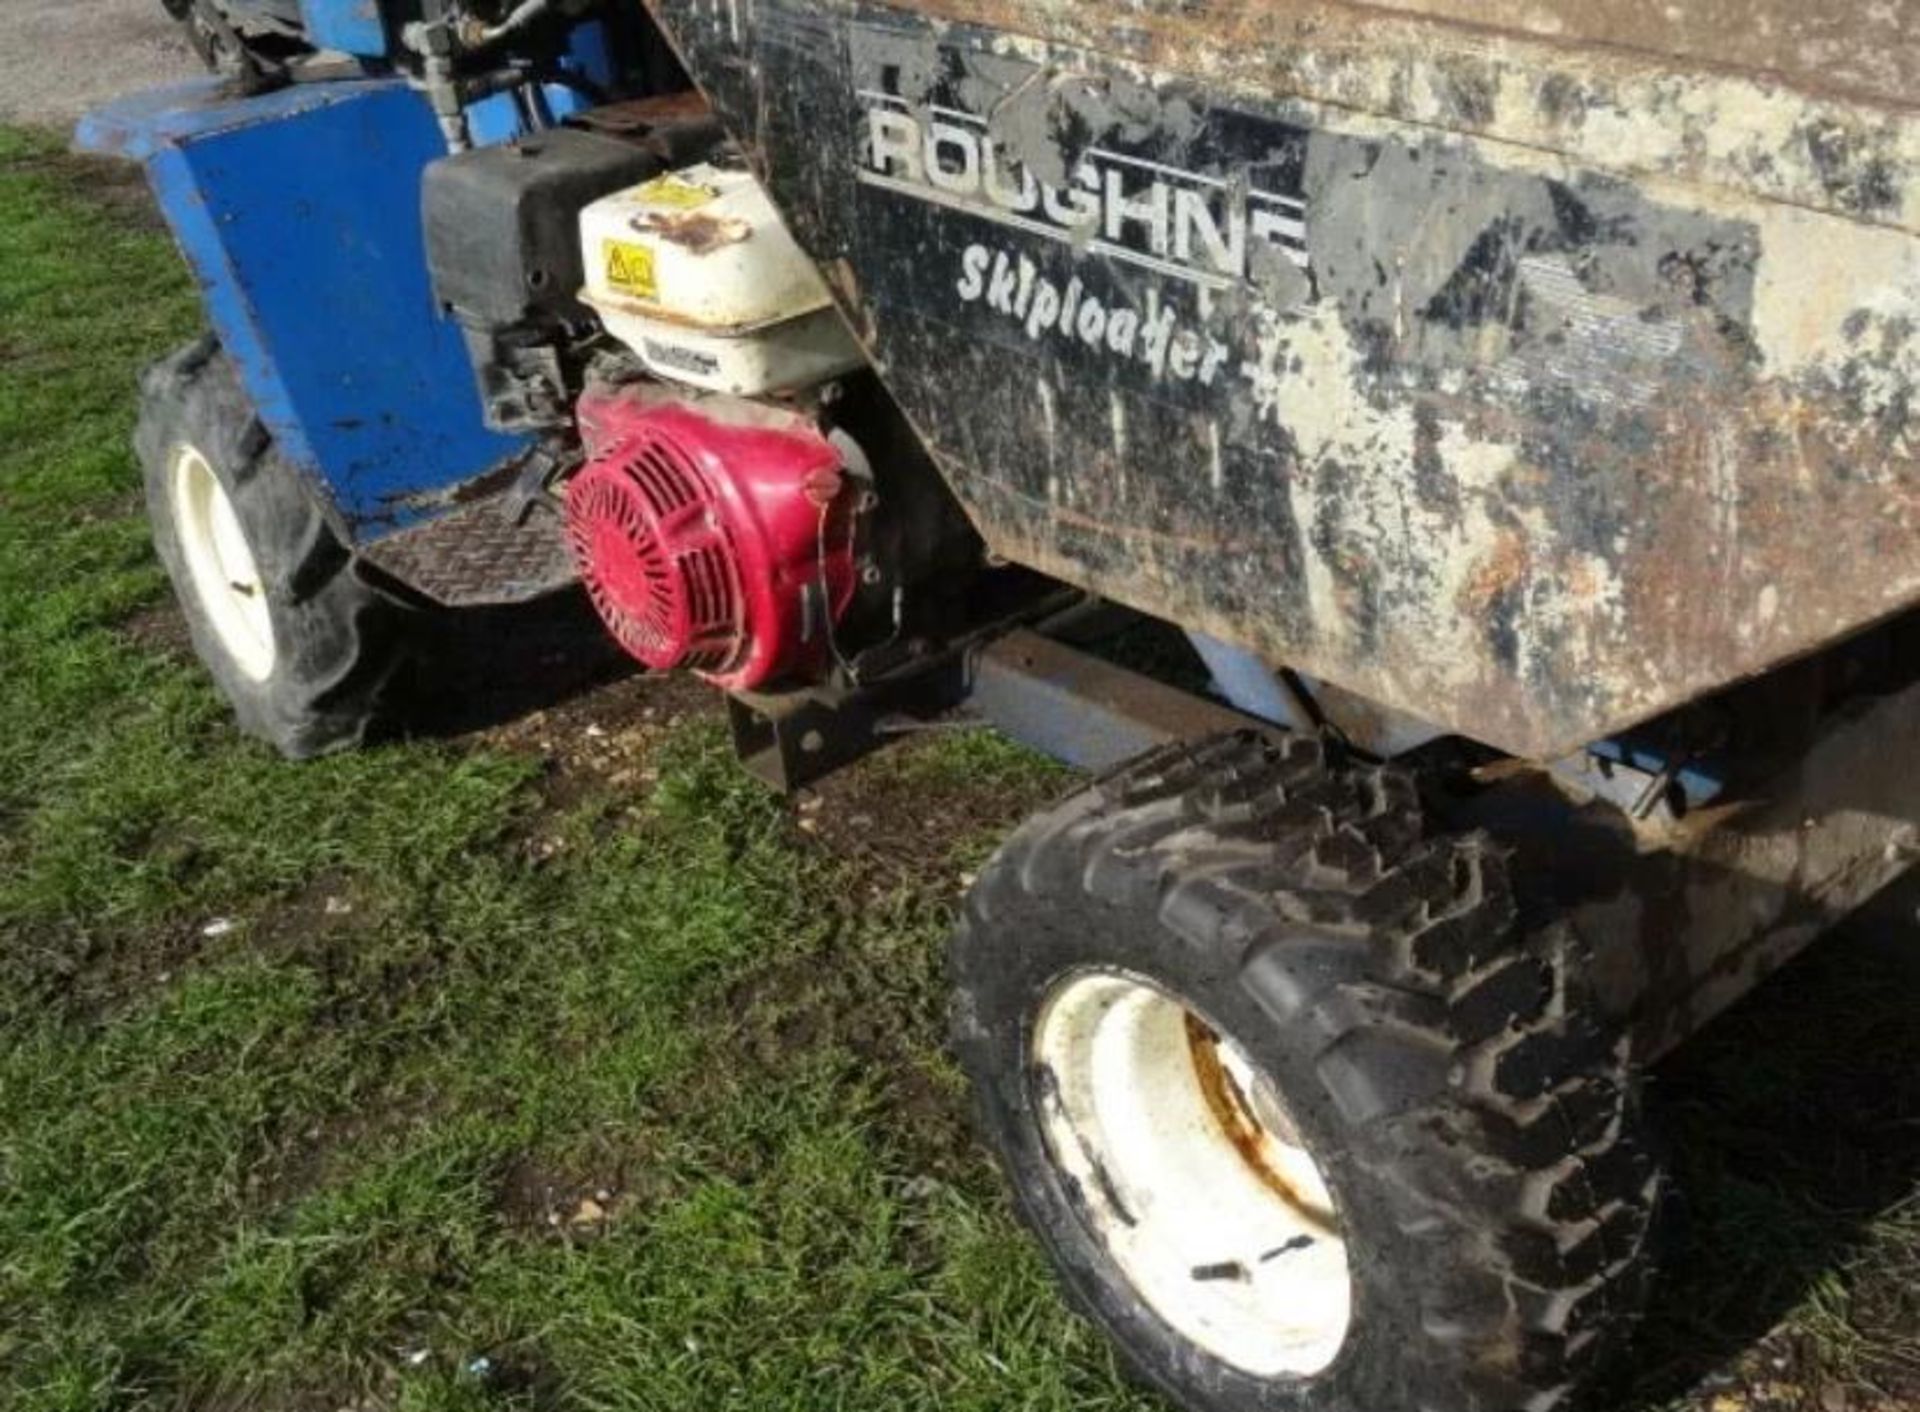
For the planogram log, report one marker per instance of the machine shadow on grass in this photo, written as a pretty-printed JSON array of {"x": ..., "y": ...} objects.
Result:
[
  {"x": 1796, "y": 1240},
  {"x": 481, "y": 668}
]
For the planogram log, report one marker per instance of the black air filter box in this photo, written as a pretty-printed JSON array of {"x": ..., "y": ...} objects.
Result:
[{"x": 503, "y": 223}]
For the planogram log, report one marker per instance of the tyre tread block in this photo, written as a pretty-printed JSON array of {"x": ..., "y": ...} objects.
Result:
[{"x": 1493, "y": 1114}]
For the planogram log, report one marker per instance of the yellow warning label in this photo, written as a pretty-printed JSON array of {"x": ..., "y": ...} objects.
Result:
[
  {"x": 676, "y": 193},
  {"x": 630, "y": 269}
]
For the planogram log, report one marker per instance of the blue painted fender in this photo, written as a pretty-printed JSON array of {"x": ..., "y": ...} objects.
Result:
[{"x": 299, "y": 211}]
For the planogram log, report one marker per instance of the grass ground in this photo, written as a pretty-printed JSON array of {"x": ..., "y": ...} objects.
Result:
[{"x": 560, "y": 1066}]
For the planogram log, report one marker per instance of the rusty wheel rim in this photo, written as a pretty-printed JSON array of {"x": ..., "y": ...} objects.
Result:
[{"x": 1192, "y": 1175}]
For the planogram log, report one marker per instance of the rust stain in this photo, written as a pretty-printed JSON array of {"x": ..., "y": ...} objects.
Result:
[
  {"x": 697, "y": 232},
  {"x": 1234, "y": 1112},
  {"x": 1499, "y": 571},
  {"x": 641, "y": 115}
]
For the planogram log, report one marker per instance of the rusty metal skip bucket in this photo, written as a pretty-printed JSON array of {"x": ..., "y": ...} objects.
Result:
[{"x": 1529, "y": 368}]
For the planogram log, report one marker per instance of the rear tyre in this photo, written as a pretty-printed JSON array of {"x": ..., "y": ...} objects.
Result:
[
  {"x": 1302, "y": 1119},
  {"x": 303, "y": 648}
]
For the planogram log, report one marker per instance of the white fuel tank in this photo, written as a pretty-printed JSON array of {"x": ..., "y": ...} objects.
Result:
[{"x": 696, "y": 273}]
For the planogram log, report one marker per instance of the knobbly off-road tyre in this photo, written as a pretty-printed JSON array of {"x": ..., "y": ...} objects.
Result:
[
  {"x": 305, "y": 650},
  {"x": 1475, "y": 1126}
]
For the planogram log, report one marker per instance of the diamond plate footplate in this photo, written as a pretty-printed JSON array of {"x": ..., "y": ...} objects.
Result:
[{"x": 480, "y": 554}]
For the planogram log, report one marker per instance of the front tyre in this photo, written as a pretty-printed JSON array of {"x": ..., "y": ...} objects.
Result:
[
  {"x": 303, "y": 648},
  {"x": 1302, "y": 1120}
]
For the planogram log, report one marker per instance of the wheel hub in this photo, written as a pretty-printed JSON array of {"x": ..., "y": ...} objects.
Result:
[
  {"x": 219, "y": 561},
  {"x": 1193, "y": 1175}
]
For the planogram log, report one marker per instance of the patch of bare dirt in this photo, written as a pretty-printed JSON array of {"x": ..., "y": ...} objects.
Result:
[
  {"x": 903, "y": 828},
  {"x": 604, "y": 739},
  {"x": 572, "y": 1202},
  {"x": 900, "y": 826},
  {"x": 118, "y": 188},
  {"x": 90, "y": 974},
  {"x": 86, "y": 974},
  {"x": 160, "y": 629}
]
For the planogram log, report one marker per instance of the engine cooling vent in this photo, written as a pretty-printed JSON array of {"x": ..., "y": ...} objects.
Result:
[
  {"x": 647, "y": 533},
  {"x": 712, "y": 536}
]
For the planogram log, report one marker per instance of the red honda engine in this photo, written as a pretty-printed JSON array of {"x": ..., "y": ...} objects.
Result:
[{"x": 712, "y": 534}]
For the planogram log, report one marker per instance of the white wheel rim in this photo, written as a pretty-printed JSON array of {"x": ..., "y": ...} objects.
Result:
[
  {"x": 1192, "y": 1176},
  {"x": 220, "y": 563}
]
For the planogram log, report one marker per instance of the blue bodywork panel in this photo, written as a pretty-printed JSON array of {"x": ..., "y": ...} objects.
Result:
[
  {"x": 299, "y": 211},
  {"x": 349, "y": 26}
]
